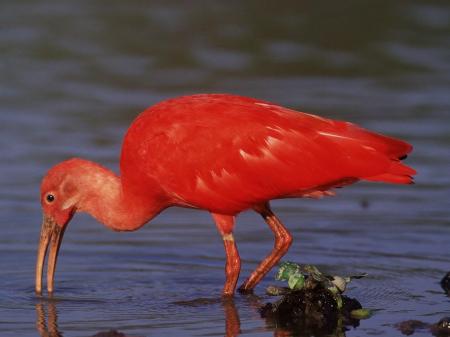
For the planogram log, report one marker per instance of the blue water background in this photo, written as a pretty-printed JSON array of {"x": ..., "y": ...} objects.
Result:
[{"x": 74, "y": 74}]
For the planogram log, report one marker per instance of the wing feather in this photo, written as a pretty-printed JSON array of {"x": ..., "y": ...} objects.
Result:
[{"x": 228, "y": 153}]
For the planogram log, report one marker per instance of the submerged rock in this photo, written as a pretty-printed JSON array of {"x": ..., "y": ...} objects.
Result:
[
  {"x": 311, "y": 311},
  {"x": 409, "y": 327},
  {"x": 439, "y": 329},
  {"x": 313, "y": 303},
  {"x": 445, "y": 283},
  {"x": 110, "y": 333}
]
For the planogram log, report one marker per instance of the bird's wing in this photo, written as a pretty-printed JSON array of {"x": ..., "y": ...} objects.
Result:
[{"x": 233, "y": 153}]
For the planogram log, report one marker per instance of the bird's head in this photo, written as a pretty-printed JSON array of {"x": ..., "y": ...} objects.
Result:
[{"x": 59, "y": 198}]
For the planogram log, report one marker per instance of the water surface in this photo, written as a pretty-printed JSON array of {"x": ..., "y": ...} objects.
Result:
[{"x": 75, "y": 74}]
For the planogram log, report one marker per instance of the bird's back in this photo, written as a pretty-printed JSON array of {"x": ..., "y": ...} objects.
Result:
[{"x": 227, "y": 153}]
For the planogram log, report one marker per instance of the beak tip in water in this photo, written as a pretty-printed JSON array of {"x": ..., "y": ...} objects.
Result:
[{"x": 50, "y": 240}]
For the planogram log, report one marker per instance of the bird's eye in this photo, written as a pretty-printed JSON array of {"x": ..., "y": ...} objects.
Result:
[{"x": 50, "y": 197}]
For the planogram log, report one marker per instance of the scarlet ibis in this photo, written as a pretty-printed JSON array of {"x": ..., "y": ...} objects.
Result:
[{"x": 221, "y": 153}]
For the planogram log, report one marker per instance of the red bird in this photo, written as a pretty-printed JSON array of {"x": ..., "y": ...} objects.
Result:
[{"x": 223, "y": 154}]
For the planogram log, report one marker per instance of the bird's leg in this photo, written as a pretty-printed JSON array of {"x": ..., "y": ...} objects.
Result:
[
  {"x": 283, "y": 241},
  {"x": 225, "y": 225}
]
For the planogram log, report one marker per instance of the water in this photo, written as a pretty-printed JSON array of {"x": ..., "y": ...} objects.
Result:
[{"x": 75, "y": 74}]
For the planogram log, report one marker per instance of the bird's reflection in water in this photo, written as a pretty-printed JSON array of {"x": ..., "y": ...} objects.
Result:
[
  {"x": 232, "y": 320},
  {"x": 47, "y": 328},
  {"x": 279, "y": 328},
  {"x": 47, "y": 320}
]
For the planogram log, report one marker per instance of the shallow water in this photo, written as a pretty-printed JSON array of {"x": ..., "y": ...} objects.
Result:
[{"x": 75, "y": 74}]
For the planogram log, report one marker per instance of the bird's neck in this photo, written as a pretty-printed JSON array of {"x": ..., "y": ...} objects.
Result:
[{"x": 106, "y": 198}]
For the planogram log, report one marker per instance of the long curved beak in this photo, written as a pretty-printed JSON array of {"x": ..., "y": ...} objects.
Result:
[{"x": 51, "y": 235}]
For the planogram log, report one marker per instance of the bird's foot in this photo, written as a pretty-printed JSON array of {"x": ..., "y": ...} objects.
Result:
[
  {"x": 226, "y": 295},
  {"x": 244, "y": 290}
]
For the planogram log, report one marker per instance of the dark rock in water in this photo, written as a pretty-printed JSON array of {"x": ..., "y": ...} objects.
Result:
[
  {"x": 444, "y": 323},
  {"x": 445, "y": 283},
  {"x": 440, "y": 329},
  {"x": 409, "y": 327},
  {"x": 312, "y": 312},
  {"x": 110, "y": 333}
]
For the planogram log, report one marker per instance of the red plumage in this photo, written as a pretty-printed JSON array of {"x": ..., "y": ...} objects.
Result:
[
  {"x": 228, "y": 153},
  {"x": 223, "y": 154}
]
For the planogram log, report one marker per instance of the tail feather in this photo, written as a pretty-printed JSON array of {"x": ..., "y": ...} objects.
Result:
[
  {"x": 392, "y": 178},
  {"x": 393, "y": 149},
  {"x": 397, "y": 173},
  {"x": 366, "y": 154},
  {"x": 401, "y": 169}
]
